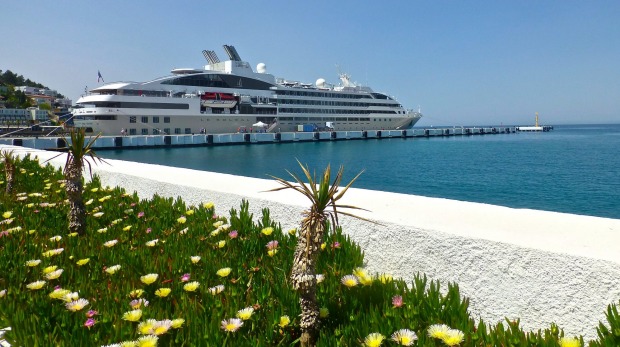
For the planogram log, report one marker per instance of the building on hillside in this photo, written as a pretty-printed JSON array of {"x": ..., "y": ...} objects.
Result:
[
  {"x": 39, "y": 99},
  {"x": 20, "y": 116}
]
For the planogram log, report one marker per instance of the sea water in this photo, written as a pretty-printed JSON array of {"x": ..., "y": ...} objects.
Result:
[{"x": 572, "y": 169}]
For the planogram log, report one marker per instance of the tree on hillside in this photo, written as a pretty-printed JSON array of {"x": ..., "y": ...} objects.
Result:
[{"x": 323, "y": 209}]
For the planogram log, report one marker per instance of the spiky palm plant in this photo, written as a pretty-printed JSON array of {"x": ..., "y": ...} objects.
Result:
[
  {"x": 323, "y": 209},
  {"x": 9, "y": 158},
  {"x": 78, "y": 154}
]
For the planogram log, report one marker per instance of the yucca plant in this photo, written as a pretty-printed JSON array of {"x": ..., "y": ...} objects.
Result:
[
  {"x": 79, "y": 154},
  {"x": 323, "y": 209},
  {"x": 9, "y": 158}
]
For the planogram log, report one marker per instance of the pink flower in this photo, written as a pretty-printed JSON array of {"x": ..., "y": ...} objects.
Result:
[
  {"x": 233, "y": 234},
  {"x": 185, "y": 278},
  {"x": 89, "y": 323},
  {"x": 140, "y": 214},
  {"x": 335, "y": 245},
  {"x": 397, "y": 301},
  {"x": 271, "y": 245},
  {"x": 91, "y": 313},
  {"x": 132, "y": 204},
  {"x": 148, "y": 230}
]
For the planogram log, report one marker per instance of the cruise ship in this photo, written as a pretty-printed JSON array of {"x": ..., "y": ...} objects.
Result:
[{"x": 229, "y": 96}]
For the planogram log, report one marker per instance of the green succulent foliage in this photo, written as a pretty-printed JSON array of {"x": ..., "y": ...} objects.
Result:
[{"x": 256, "y": 280}]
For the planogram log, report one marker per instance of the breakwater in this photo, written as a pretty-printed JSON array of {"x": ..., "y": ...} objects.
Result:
[{"x": 167, "y": 141}]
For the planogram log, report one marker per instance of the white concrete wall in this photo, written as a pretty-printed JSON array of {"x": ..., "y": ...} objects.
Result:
[{"x": 541, "y": 267}]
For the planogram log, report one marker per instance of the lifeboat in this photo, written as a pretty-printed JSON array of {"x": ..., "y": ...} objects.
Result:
[{"x": 221, "y": 100}]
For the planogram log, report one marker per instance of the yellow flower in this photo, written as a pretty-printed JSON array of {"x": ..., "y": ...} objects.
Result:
[
  {"x": 218, "y": 224},
  {"x": 136, "y": 293},
  {"x": 569, "y": 342},
  {"x": 83, "y": 261},
  {"x": 223, "y": 272},
  {"x": 267, "y": 231},
  {"x": 189, "y": 212},
  {"x": 217, "y": 289},
  {"x": 53, "y": 252},
  {"x": 438, "y": 331},
  {"x": 208, "y": 205},
  {"x": 323, "y": 245},
  {"x": 113, "y": 269},
  {"x": 245, "y": 313},
  {"x": 146, "y": 327},
  {"x": 232, "y": 324},
  {"x": 177, "y": 323},
  {"x": 110, "y": 243},
  {"x": 71, "y": 297},
  {"x": 373, "y": 340},
  {"x": 161, "y": 327},
  {"x": 284, "y": 321},
  {"x": 32, "y": 263},
  {"x": 56, "y": 238},
  {"x": 152, "y": 243},
  {"x": 148, "y": 279},
  {"x": 127, "y": 228},
  {"x": 195, "y": 259},
  {"x": 455, "y": 337},
  {"x": 132, "y": 316},
  {"x": 94, "y": 190},
  {"x": 349, "y": 281},
  {"x": 102, "y": 230},
  {"x": 221, "y": 244},
  {"x": 73, "y": 234},
  {"x": 59, "y": 294},
  {"x": 36, "y": 285},
  {"x": 88, "y": 202},
  {"x": 76, "y": 305},
  {"x": 54, "y": 274},
  {"x": 163, "y": 292},
  {"x": 147, "y": 341},
  {"x": 272, "y": 252},
  {"x": 191, "y": 286},
  {"x": 7, "y": 214},
  {"x": 404, "y": 337},
  {"x": 181, "y": 220},
  {"x": 50, "y": 269},
  {"x": 292, "y": 232},
  {"x": 366, "y": 280}
]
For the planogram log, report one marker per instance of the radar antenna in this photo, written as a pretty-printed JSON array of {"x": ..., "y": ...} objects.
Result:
[
  {"x": 232, "y": 53},
  {"x": 345, "y": 78}
]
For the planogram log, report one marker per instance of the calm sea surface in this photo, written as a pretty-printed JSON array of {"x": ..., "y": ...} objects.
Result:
[{"x": 573, "y": 169}]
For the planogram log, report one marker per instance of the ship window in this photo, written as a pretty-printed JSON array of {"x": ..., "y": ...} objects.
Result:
[
  {"x": 156, "y": 119},
  {"x": 188, "y": 130},
  {"x": 177, "y": 130},
  {"x": 166, "y": 119},
  {"x": 132, "y": 131},
  {"x": 156, "y": 131},
  {"x": 145, "y": 120},
  {"x": 132, "y": 119},
  {"x": 145, "y": 131},
  {"x": 167, "y": 131}
]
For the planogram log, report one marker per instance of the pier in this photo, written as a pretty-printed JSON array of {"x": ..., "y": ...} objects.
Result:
[{"x": 193, "y": 140}]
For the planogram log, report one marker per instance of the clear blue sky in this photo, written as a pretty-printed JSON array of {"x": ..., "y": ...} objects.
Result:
[{"x": 463, "y": 62}]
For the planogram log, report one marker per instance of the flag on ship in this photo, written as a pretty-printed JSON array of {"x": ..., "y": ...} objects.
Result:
[{"x": 99, "y": 77}]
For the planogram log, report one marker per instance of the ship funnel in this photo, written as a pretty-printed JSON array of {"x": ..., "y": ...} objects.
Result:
[
  {"x": 211, "y": 57},
  {"x": 232, "y": 53}
]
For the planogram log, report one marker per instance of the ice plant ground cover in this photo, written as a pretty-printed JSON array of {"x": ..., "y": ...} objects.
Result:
[{"x": 158, "y": 272}]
